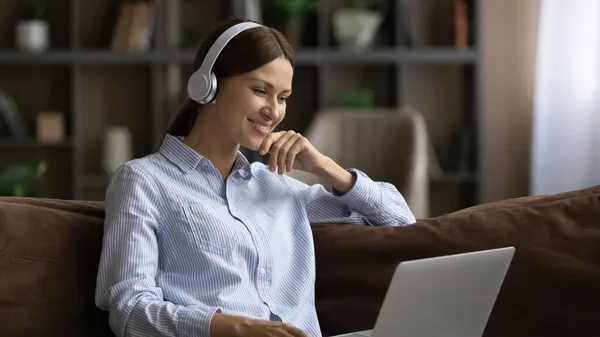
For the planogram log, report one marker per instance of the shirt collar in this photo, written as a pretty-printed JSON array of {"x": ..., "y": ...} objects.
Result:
[{"x": 188, "y": 159}]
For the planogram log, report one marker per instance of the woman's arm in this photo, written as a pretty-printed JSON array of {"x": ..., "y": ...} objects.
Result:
[
  {"x": 337, "y": 177},
  {"x": 355, "y": 198},
  {"x": 126, "y": 284}
]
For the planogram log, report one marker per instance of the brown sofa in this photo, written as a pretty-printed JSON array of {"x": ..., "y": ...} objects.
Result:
[{"x": 49, "y": 252}]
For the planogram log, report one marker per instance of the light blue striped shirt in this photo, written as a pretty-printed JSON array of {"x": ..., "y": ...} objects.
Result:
[{"x": 181, "y": 244}]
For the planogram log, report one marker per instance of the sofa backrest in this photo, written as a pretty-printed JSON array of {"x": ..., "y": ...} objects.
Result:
[
  {"x": 49, "y": 253},
  {"x": 552, "y": 287}
]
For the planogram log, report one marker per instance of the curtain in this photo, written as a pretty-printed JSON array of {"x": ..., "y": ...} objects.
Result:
[{"x": 566, "y": 116}]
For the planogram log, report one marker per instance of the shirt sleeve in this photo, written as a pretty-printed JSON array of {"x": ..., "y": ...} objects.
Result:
[
  {"x": 367, "y": 202},
  {"x": 126, "y": 286}
]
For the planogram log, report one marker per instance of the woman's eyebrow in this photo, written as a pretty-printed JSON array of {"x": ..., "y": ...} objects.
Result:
[{"x": 267, "y": 83}]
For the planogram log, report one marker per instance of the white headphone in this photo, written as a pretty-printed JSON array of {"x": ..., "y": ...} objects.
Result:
[{"x": 202, "y": 85}]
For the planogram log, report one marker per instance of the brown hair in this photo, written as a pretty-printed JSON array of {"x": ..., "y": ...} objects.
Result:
[{"x": 249, "y": 50}]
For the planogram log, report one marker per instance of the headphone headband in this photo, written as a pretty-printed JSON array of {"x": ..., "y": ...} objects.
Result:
[{"x": 202, "y": 84}]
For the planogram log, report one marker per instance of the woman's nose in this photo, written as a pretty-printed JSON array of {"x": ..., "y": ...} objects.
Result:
[{"x": 271, "y": 111}]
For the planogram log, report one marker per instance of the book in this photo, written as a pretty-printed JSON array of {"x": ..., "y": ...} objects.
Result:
[
  {"x": 461, "y": 24},
  {"x": 135, "y": 27}
]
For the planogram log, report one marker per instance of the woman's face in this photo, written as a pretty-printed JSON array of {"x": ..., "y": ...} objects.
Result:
[{"x": 251, "y": 105}]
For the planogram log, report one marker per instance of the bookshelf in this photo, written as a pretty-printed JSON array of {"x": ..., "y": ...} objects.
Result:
[{"x": 95, "y": 87}]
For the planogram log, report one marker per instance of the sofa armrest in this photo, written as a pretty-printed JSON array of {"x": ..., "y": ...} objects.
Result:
[
  {"x": 550, "y": 287},
  {"x": 49, "y": 251}
]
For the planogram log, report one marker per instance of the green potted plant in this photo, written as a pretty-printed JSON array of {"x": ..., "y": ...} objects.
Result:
[
  {"x": 361, "y": 98},
  {"x": 290, "y": 16},
  {"x": 32, "y": 31},
  {"x": 22, "y": 180}
]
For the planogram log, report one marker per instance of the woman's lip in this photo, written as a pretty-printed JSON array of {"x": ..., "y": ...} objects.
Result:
[
  {"x": 262, "y": 128},
  {"x": 259, "y": 123}
]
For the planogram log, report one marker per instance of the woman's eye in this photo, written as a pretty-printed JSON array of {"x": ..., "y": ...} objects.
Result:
[
  {"x": 260, "y": 92},
  {"x": 282, "y": 99}
]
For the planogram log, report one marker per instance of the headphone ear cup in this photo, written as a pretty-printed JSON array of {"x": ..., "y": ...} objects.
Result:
[
  {"x": 202, "y": 85},
  {"x": 213, "y": 88},
  {"x": 198, "y": 87}
]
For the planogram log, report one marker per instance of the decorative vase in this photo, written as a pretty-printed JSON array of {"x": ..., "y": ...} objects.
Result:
[
  {"x": 32, "y": 35},
  {"x": 117, "y": 148},
  {"x": 355, "y": 28}
]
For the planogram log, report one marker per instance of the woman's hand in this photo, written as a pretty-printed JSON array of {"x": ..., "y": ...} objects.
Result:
[
  {"x": 290, "y": 150},
  {"x": 264, "y": 328},
  {"x": 233, "y": 326}
]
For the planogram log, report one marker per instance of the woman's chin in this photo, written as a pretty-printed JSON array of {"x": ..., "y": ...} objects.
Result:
[{"x": 253, "y": 143}]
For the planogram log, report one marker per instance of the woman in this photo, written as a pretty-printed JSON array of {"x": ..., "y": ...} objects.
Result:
[{"x": 198, "y": 242}]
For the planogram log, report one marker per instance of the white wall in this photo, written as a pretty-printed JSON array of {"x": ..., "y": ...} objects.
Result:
[{"x": 508, "y": 41}]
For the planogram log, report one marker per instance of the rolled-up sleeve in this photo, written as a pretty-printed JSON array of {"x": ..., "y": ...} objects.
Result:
[
  {"x": 126, "y": 286},
  {"x": 367, "y": 202}
]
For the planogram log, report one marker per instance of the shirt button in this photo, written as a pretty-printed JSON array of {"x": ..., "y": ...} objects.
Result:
[{"x": 262, "y": 271}]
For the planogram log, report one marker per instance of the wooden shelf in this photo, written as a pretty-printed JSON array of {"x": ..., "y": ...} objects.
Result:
[
  {"x": 23, "y": 144},
  {"x": 11, "y": 57},
  {"x": 369, "y": 56},
  {"x": 379, "y": 78},
  {"x": 301, "y": 57},
  {"x": 103, "y": 57},
  {"x": 96, "y": 87},
  {"x": 440, "y": 56},
  {"x": 113, "y": 96}
]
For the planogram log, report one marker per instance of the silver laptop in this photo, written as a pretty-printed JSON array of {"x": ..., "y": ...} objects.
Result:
[{"x": 447, "y": 296}]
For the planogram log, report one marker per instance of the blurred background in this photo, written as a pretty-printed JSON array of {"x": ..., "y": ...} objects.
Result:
[{"x": 88, "y": 84}]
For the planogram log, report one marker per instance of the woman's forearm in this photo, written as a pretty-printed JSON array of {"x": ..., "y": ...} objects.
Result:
[
  {"x": 336, "y": 176},
  {"x": 223, "y": 325}
]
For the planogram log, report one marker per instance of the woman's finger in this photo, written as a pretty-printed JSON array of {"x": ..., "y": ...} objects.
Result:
[
  {"x": 268, "y": 141},
  {"x": 275, "y": 150},
  {"x": 283, "y": 153},
  {"x": 293, "y": 151},
  {"x": 294, "y": 331}
]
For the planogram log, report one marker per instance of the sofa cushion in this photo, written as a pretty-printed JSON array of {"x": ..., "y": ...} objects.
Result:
[
  {"x": 49, "y": 252},
  {"x": 552, "y": 287}
]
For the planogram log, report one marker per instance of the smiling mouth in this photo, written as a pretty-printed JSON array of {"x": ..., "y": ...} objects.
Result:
[{"x": 262, "y": 128}]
